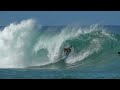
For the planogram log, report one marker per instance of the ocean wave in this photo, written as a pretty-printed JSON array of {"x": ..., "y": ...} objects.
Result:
[{"x": 28, "y": 44}]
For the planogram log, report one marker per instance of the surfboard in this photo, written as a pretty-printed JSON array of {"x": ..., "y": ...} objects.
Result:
[{"x": 65, "y": 56}]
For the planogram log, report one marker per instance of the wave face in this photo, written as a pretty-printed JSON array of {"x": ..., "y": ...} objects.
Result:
[{"x": 28, "y": 44}]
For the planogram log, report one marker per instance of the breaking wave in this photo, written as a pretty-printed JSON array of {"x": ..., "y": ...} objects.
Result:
[{"x": 28, "y": 44}]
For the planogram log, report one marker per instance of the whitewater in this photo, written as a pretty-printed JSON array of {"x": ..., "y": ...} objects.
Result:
[{"x": 30, "y": 45}]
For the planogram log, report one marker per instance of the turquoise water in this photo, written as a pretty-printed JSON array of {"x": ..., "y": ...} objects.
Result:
[
  {"x": 29, "y": 50},
  {"x": 56, "y": 74}
]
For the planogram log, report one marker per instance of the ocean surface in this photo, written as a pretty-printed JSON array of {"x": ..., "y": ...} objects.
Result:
[{"x": 29, "y": 50}]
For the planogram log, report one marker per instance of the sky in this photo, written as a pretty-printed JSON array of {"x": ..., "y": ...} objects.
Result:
[{"x": 62, "y": 17}]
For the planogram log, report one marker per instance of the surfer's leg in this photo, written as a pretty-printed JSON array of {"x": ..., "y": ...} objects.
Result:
[{"x": 67, "y": 53}]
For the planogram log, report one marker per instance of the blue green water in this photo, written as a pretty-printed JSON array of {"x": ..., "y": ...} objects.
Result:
[
  {"x": 32, "y": 51},
  {"x": 56, "y": 74}
]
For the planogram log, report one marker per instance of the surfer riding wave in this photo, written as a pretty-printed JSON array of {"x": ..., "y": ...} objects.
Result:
[{"x": 67, "y": 50}]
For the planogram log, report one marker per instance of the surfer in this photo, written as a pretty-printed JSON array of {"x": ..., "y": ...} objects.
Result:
[{"x": 67, "y": 50}]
